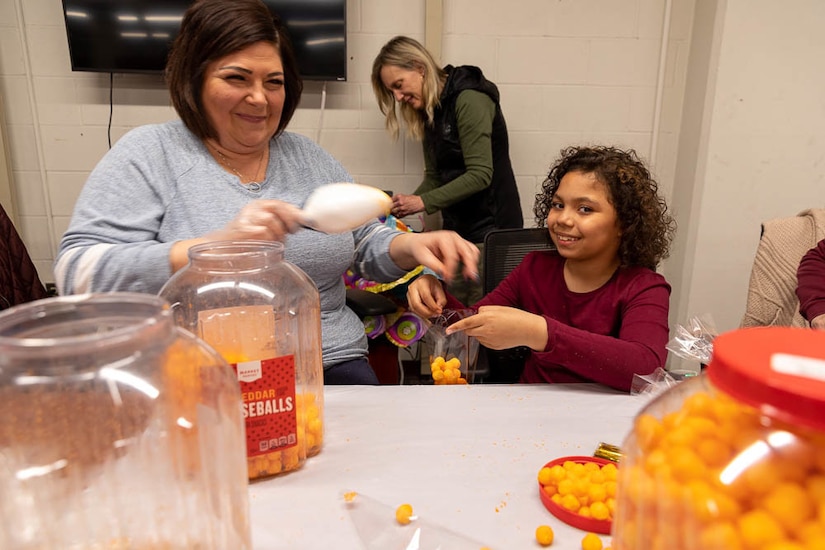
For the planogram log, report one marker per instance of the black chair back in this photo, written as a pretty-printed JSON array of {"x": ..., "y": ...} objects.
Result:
[{"x": 505, "y": 248}]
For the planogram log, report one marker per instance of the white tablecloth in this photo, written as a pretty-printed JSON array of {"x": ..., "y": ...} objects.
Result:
[{"x": 465, "y": 457}]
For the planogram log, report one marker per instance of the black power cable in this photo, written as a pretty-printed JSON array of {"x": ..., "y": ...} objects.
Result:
[{"x": 111, "y": 107}]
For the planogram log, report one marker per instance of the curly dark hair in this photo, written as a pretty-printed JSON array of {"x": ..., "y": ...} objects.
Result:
[{"x": 647, "y": 226}]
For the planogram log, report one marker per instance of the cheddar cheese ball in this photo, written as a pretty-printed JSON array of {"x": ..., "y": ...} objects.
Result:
[
  {"x": 544, "y": 535},
  {"x": 591, "y": 541},
  {"x": 403, "y": 514}
]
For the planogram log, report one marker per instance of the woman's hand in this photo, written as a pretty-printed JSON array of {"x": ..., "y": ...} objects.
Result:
[
  {"x": 426, "y": 297},
  {"x": 502, "y": 327},
  {"x": 261, "y": 220},
  {"x": 404, "y": 205},
  {"x": 440, "y": 251},
  {"x": 818, "y": 322}
]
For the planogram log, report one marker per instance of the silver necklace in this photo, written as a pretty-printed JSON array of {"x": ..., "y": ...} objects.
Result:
[{"x": 253, "y": 186}]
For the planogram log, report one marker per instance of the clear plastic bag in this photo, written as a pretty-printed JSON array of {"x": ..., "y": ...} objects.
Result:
[
  {"x": 448, "y": 349},
  {"x": 378, "y": 528},
  {"x": 651, "y": 385},
  {"x": 694, "y": 340}
]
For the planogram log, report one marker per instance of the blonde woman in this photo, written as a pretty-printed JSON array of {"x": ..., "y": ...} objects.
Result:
[{"x": 455, "y": 113}]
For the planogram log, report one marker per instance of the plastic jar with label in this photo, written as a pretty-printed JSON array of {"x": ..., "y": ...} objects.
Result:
[
  {"x": 119, "y": 430},
  {"x": 734, "y": 458},
  {"x": 263, "y": 315}
]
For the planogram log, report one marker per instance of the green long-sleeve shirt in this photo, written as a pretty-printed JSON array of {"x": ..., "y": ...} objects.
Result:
[{"x": 475, "y": 112}]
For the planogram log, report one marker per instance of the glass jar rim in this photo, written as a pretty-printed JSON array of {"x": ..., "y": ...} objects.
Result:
[
  {"x": 238, "y": 247},
  {"x": 24, "y": 328}
]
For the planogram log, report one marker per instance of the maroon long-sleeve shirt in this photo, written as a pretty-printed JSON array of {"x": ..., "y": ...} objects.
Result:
[
  {"x": 810, "y": 277},
  {"x": 603, "y": 336}
]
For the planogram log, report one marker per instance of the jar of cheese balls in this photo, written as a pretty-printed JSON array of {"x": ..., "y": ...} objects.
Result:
[
  {"x": 263, "y": 315},
  {"x": 117, "y": 430},
  {"x": 735, "y": 458}
]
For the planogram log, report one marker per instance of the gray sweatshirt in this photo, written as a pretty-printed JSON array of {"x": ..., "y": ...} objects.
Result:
[{"x": 159, "y": 184}]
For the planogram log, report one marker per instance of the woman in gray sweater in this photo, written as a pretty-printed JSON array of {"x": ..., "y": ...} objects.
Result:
[{"x": 228, "y": 170}]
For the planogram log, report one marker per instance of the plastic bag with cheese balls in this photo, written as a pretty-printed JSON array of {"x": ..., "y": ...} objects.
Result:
[{"x": 452, "y": 356}]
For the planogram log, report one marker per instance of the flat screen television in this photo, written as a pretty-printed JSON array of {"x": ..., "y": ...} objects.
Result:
[{"x": 133, "y": 36}]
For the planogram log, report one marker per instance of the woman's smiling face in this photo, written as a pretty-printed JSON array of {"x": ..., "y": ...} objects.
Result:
[
  {"x": 404, "y": 84},
  {"x": 243, "y": 96},
  {"x": 582, "y": 221}
]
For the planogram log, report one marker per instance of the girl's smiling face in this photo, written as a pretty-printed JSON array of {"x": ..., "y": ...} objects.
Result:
[
  {"x": 243, "y": 96},
  {"x": 405, "y": 85},
  {"x": 583, "y": 223}
]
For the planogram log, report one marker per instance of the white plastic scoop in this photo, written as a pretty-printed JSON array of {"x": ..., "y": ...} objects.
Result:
[{"x": 341, "y": 207}]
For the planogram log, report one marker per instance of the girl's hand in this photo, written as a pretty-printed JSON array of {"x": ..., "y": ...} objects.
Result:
[
  {"x": 426, "y": 297},
  {"x": 404, "y": 205},
  {"x": 502, "y": 327},
  {"x": 441, "y": 251},
  {"x": 263, "y": 220}
]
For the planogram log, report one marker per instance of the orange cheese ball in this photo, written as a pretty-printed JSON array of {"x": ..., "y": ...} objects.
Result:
[
  {"x": 545, "y": 476},
  {"x": 591, "y": 541},
  {"x": 719, "y": 475},
  {"x": 544, "y": 535},
  {"x": 587, "y": 489},
  {"x": 403, "y": 514}
]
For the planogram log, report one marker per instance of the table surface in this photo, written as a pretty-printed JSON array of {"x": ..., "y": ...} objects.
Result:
[{"x": 465, "y": 457}]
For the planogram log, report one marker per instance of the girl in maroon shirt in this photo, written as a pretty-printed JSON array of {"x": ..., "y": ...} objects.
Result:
[{"x": 594, "y": 310}]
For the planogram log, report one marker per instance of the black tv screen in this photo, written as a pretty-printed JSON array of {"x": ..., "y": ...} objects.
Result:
[{"x": 133, "y": 36}]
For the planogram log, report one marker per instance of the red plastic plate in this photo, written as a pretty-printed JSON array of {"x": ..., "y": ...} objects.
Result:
[{"x": 572, "y": 518}]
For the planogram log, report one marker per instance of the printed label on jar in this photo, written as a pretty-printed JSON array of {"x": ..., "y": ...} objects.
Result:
[{"x": 269, "y": 411}]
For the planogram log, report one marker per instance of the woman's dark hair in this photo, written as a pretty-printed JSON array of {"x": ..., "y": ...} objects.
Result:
[
  {"x": 647, "y": 227},
  {"x": 212, "y": 29}
]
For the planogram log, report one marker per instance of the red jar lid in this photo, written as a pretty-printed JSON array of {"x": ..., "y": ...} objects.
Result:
[{"x": 778, "y": 370}]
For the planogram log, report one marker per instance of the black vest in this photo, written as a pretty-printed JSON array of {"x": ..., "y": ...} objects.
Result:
[{"x": 497, "y": 206}]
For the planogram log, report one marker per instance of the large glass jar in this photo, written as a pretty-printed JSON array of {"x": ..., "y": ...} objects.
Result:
[
  {"x": 117, "y": 430},
  {"x": 263, "y": 314},
  {"x": 735, "y": 458}
]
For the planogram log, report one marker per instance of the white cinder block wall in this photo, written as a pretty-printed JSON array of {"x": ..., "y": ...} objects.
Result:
[
  {"x": 752, "y": 147},
  {"x": 570, "y": 71}
]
